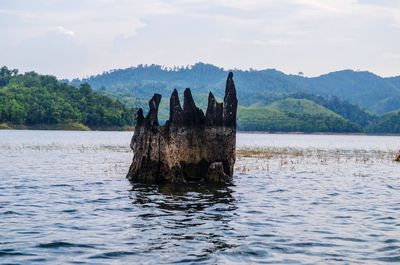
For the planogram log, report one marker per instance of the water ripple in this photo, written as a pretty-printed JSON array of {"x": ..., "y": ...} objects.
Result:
[
  {"x": 62, "y": 244},
  {"x": 64, "y": 200}
]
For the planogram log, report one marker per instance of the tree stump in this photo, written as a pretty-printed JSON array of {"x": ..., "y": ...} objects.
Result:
[{"x": 191, "y": 146}]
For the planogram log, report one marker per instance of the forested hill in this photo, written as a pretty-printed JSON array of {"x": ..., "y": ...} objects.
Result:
[
  {"x": 41, "y": 101},
  {"x": 255, "y": 87},
  {"x": 343, "y": 101},
  {"x": 269, "y": 100}
]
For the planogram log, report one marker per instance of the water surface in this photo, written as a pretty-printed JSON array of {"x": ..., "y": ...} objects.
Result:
[{"x": 319, "y": 199}]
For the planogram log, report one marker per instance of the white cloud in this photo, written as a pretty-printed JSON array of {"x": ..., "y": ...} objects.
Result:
[
  {"x": 226, "y": 40},
  {"x": 392, "y": 55},
  {"x": 62, "y": 30},
  {"x": 18, "y": 13},
  {"x": 328, "y": 6},
  {"x": 314, "y": 36},
  {"x": 279, "y": 42}
]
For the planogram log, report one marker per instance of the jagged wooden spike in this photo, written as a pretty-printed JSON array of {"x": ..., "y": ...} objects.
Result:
[
  {"x": 175, "y": 109},
  {"x": 230, "y": 102},
  {"x": 211, "y": 107},
  {"x": 152, "y": 116},
  {"x": 188, "y": 103},
  {"x": 139, "y": 117},
  {"x": 192, "y": 115},
  {"x": 214, "y": 111}
]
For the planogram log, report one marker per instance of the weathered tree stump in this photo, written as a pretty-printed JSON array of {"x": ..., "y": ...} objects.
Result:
[{"x": 191, "y": 146}]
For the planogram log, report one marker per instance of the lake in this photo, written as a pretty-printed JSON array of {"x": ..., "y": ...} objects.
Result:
[{"x": 296, "y": 199}]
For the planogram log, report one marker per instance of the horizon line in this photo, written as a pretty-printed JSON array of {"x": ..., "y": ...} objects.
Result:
[{"x": 172, "y": 68}]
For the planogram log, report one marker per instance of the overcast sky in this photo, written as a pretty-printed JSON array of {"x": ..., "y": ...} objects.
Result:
[{"x": 76, "y": 38}]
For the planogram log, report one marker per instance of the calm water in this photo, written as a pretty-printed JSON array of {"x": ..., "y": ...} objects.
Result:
[{"x": 321, "y": 199}]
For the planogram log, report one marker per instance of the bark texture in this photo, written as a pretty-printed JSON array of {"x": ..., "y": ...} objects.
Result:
[{"x": 191, "y": 146}]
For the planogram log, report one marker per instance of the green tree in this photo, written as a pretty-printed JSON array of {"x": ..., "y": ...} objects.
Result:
[
  {"x": 6, "y": 74},
  {"x": 16, "y": 112}
]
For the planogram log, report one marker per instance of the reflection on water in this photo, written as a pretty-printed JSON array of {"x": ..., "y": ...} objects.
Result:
[
  {"x": 324, "y": 199},
  {"x": 177, "y": 197},
  {"x": 192, "y": 217}
]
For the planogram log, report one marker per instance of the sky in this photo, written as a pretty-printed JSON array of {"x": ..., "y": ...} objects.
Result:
[{"x": 78, "y": 38}]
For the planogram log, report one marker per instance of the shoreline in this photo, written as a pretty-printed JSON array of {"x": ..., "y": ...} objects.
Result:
[
  {"x": 320, "y": 133},
  {"x": 63, "y": 127},
  {"x": 81, "y": 127}
]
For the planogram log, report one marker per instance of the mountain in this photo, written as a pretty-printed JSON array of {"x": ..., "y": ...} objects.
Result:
[
  {"x": 290, "y": 115},
  {"x": 300, "y": 106},
  {"x": 269, "y": 100},
  {"x": 388, "y": 123},
  {"x": 347, "y": 110},
  {"x": 260, "y": 87},
  {"x": 358, "y": 97},
  {"x": 362, "y": 88},
  {"x": 387, "y": 105},
  {"x": 41, "y": 101}
]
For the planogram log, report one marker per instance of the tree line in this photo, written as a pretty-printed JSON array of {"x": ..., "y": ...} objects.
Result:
[{"x": 33, "y": 99}]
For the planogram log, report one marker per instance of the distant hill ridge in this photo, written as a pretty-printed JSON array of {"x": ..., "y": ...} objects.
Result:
[
  {"x": 270, "y": 100},
  {"x": 363, "y": 88}
]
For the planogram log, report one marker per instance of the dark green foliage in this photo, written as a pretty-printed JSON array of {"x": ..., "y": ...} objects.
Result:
[
  {"x": 270, "y": 100},
  {"x": 291, "y": 115},
  {"x": 387, "y": 105},
  {"x": 359, "y": 87},
  {"x": 388, "y": 123},
  {"x": 6, "y": 74},
  {"x": 33, "y": 99},
  {"x": 341, "y": 92},
  {"x": 347, "y": 110},
  {"x": 253, "y": 86}
]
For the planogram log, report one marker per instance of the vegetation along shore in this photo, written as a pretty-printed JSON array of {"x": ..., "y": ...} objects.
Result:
[{"x": 347, "y": 101}]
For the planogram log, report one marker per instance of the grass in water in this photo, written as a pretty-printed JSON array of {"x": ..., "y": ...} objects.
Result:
[{"x": 4, "y": 126}]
